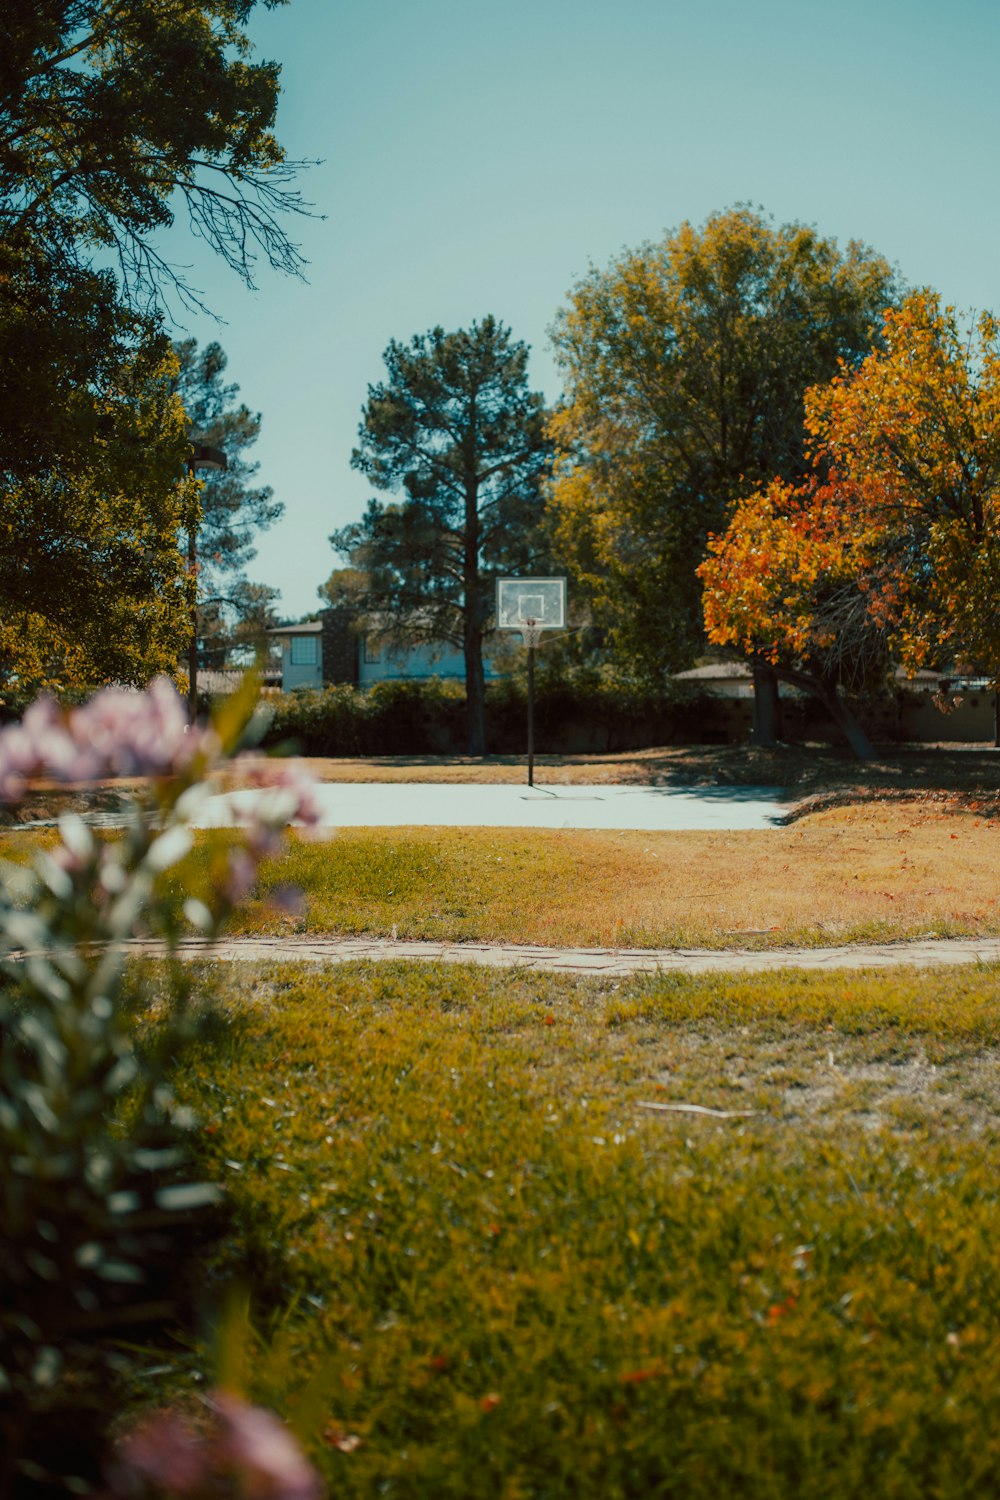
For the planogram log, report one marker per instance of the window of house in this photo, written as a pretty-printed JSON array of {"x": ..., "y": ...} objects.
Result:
[
  {"x": 305, "y": 651},
  {"x": 373, "y": 651}
]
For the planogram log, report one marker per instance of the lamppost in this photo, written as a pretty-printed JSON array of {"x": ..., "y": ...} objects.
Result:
[{"x": 210, "y": 460}]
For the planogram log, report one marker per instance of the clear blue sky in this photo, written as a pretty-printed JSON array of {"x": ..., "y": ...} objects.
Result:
[{"x": 479, "y": 155}]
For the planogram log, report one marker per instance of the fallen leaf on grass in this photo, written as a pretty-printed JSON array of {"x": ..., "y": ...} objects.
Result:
[
  {"x": 638, "y": 1377},
  {"x": 344, "y": 1442},
  {"x": 699, "y": 1109}
]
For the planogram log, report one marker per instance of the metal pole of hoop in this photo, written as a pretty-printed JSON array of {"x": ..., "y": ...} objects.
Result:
[{"x": 531, "y": 634}]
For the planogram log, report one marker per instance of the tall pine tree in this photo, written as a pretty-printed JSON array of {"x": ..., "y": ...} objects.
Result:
[
  {"x": 454, "y": 431},
  {"x": 233, "y": 508}
]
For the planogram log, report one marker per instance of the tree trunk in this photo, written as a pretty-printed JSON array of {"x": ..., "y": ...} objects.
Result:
[
  {"x": 766, "y": 707},
  {"x": 842, "y": 715},
  {"x": 849, "y": 725},
  {"x": 475, "y": 689},
  {"x": 473, "y": 613}
]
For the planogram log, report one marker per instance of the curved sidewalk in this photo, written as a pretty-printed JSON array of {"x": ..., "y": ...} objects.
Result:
[{"x": 932, "y": 953}]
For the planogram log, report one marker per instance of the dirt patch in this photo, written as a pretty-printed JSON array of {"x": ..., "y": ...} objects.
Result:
[
  {"x": 46, "y": 804},
  {"x": 805, "y": 1079}
]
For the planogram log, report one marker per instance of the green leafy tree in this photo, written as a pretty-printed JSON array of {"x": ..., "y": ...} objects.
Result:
[
  {"x": 64, "y": 340},
  {"x": 685, "y": 366},
  {"x": 92, "y": 449},
  {"x": 232, "y": 611},
  {"x": 455, "y": 428},
  {"x": 114, "y": 113},
  {"x": 92, "y": 578}
]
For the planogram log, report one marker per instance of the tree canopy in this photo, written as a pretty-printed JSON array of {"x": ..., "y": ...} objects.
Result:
[
  {"x": 685, "y": 366},
  {"x": 787, "y": 584},
  {"x": 888, "y": 551},
  {"x": 912, "y": 442},
  {"x": 114, "y": 112},
  {"x": 114, "y": 115},
  {"x": 92, "y": 579},
  {"x": 456, "y": 432}
]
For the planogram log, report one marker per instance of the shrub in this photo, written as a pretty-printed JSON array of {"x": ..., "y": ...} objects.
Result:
[
  {"x": 99, "y": 1213},
  {"x": 576, "y": 711}
]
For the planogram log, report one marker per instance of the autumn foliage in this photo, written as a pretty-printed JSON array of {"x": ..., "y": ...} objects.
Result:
[
  {"x": 889, "y": 548},
  {"x": 685, "y": 365}
]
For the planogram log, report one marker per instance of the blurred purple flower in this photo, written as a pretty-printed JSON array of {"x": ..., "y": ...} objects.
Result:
[
  {"x": 122, "y": 732},
  {"x": 128, "y": 733},
  {"x": 244, "y": 1452},
  {"x": 288, "y": 899},
  {"x": 282, "y": 776},
  {"x": 241, "y": 877},
  {"x": 263, "y": 1452},
  {"x": 164, "y": 1455},
  {"x": 119, "y": 732}
]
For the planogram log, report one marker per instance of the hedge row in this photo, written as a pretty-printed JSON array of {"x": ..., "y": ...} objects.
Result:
[{"x": 428, "y": 718}]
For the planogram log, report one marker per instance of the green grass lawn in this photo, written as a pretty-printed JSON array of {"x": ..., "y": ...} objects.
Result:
[{"x": 485, "y": 1267}]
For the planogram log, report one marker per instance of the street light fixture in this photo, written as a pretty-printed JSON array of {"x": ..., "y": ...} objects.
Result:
[{"x": 208, "y": 460}]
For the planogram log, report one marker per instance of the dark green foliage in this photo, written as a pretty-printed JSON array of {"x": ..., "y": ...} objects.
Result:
[
  {"x": 427, "y": 717},
  {"x": 233, "y": 613},
  {"x": 391, "y": 718},
  {"x": 108, "y": 111},
  {"x": 92, "y": 583},
  {"x": 100, "y": 1215},
  {"x": 63, "y": 339},
  {"x": 455, "y": 430},
  {"x": 233, "y": 508}
]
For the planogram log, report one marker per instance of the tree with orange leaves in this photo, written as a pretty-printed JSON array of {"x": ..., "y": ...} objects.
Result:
[
  {"x": 911, "y": 440},
  {"x": 685, "y": 365},
  {"x": 890, "y": 550},
  {"x": 787, "y": 585}
]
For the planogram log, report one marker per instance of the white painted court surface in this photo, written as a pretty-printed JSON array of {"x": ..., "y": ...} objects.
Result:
[{"x": 646, "y": 808}]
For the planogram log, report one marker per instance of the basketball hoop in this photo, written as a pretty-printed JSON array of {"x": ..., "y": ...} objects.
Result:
[
  {"x": 531, "y": 603},
  {"x": 529, "y": 606}
]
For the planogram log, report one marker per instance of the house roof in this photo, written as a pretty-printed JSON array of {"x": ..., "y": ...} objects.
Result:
[
  {"x": 723, "y": 671},
  {"x": 228, "y": 679},
  {"x": 309, "y": 627}
]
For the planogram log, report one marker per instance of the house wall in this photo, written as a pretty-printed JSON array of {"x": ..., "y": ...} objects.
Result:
[
  {"x": 413, "y": 662},
  {"x": 969, "y": 722},
  {"x": 300, "y": 674}
]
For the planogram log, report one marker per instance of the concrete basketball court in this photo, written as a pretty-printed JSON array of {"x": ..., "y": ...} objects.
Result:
[{"x": 645, "y": 808}]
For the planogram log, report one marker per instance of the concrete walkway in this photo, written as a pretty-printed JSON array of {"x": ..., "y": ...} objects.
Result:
[
  {"x": 444, "y": 805},
  {"x": 598, "y": 961}
]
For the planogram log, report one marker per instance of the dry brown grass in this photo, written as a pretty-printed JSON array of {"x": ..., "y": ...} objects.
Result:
[
  {"x": 807, "y": 771},
  {"x": 853, "y": 874}
]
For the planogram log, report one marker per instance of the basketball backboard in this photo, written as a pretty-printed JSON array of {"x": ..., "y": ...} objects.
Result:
[{"x": 539, "y": 602}]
